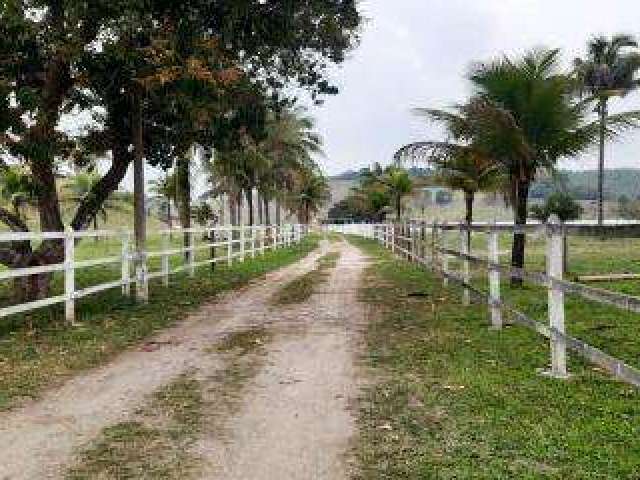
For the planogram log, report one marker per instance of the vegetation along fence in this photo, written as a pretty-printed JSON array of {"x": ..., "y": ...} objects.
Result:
[
  {"x": 222, "y": 244},
  {"x": 431, "y": 245}
]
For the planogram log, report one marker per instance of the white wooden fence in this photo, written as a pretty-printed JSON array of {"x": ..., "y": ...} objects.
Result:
[
  {"x": 362, "y": 229},
  {"x": 236, "y": 243},
  {"x": 426, "y": 244}
]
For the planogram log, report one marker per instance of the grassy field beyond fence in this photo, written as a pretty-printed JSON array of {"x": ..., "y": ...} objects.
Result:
[{"x": 451, "y": 399}]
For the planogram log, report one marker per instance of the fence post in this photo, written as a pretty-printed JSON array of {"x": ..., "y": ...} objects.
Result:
[
  {"x": 212, "y": 239},
  {"x": 466, "y": 273},
  {"x": 434, "y": 246},
  {"x": 166, "y": 246},
  {"x": 230, "y": 246},
  {"x": 254, "y": 232},
  {"x": 142, "y": 286},
  {"x": 412, "y": 242},
  {"x": 242, "y": 243},
  {"x": 555, "y": 265},
  {"x": 393, "y": 238},
  {"x": 69, "y": 276},
  {"x": 126, "y": 269},
  {"x": 191, "y": 253},
  {"x": 445, "y": 255},
  {"x": 263, "y": 233},
  {"x": 423, "y": 240},
  {"x": 407, "y": 241},
  {"x": 494, "y": 278}
]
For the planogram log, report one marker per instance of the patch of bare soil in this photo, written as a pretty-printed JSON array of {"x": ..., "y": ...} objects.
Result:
[{"x": 296, "y": 421}]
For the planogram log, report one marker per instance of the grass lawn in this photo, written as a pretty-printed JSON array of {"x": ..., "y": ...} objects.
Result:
[
  {"x": 451, "y": 399},
  {"x": 605, "y": 327},
  {"x": 32, "y": 360}
]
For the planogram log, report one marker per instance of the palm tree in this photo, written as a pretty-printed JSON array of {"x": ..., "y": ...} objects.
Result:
[
  {"x": 290, "y": 146},
  {"x": 609, "y": 70},
  {"x": 460, "y": 166},
  {"x": 311, "y": 193},
  {"x": 165, "y": 188},
  {"x": 396, "y": 181},
  {"x": 526, "y": 117},
  {"x": 17, "y": 190}
]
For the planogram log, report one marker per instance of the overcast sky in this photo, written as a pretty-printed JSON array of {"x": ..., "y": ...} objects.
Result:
[{"x": 415, "y": 53}]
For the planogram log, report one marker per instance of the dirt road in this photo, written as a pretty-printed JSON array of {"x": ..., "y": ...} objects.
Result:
[{"x": 294, "y": 421}]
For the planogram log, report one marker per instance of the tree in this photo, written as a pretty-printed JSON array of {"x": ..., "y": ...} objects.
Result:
[
  {"x": 609, "y": 70},
  {"x": 565, "y": 208},
  {"x": 311, "y": 193},
  {"x": 82, "y": 185},
  {"x": 561, "y": 204},
  {"x": 118, "y": 58},
  {"x": 398, "y": 184},
  {"x": 165, "y": 189},
  {"x": 458, "y": 163},
  {"x": 17, "y": 191},
  {"x": 525, "y": 116}
]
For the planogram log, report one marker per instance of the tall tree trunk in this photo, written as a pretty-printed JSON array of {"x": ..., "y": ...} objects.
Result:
[
  {"x": 603, "y": 128},
  {"x": 259, "y": 205},
  {"x": 139, "y": 207},
  {"x": 249, "y": 194},
  {"x": 267, "y": 211},
  {"x": 469, "y": 197},
  {"x": 239, "y": 209},
  {"x": 223, "y": 202},
  {"x": 398, "y": 207},
  {"x": 519, "y": 239},
  {"x": 278, "y": 212},
  {"x": 233, "y": 219},
  {"x": 183, "y": 181}
]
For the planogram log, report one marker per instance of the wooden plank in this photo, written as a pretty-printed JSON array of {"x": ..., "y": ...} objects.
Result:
[
  {"x": 25, "y": 307},
  {"x": 612, "y": 277}
]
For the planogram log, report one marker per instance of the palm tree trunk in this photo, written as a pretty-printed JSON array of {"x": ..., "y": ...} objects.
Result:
[
  {"x": 239, "y": 209},
  {"x": 184, "y": 197},
  {"x": 250, "y": 205},
  {"x": 398, "y": 207},
  {"x": 267, "y": 211},
  {"x": 603, "y": 129},
  {"x": 169, "y": 219},
  {"x": 259, "y": 206},
  {"x": 519, "y": 238},
  {"x": 232, "y": 209},
  {"x": 469, "y": 197}
]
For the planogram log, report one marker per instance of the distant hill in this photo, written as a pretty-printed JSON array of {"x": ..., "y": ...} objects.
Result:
[
  {"x": 355, "y": 174},
  {"x": 618, "y": 182},
  {"x": 583, "y": 184}
]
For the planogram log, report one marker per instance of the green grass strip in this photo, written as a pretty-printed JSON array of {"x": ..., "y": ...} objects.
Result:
[
  {"x": 451, "y": 399},
  {"x": 300, "y": 289}
]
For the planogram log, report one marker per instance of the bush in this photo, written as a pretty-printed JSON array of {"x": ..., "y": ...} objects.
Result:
[{"x": 561, "y": 204}]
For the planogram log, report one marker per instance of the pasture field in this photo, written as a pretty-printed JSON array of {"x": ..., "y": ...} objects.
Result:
[{"x": 452, "y": 399}]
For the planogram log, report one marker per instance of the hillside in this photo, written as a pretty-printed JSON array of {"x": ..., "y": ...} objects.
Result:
[{"x": 584, "y": 184}]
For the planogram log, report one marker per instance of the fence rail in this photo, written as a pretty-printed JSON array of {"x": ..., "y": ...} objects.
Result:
[
  {"x": 237, "y": 243},
  {"x": 426, "y": 244}
]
